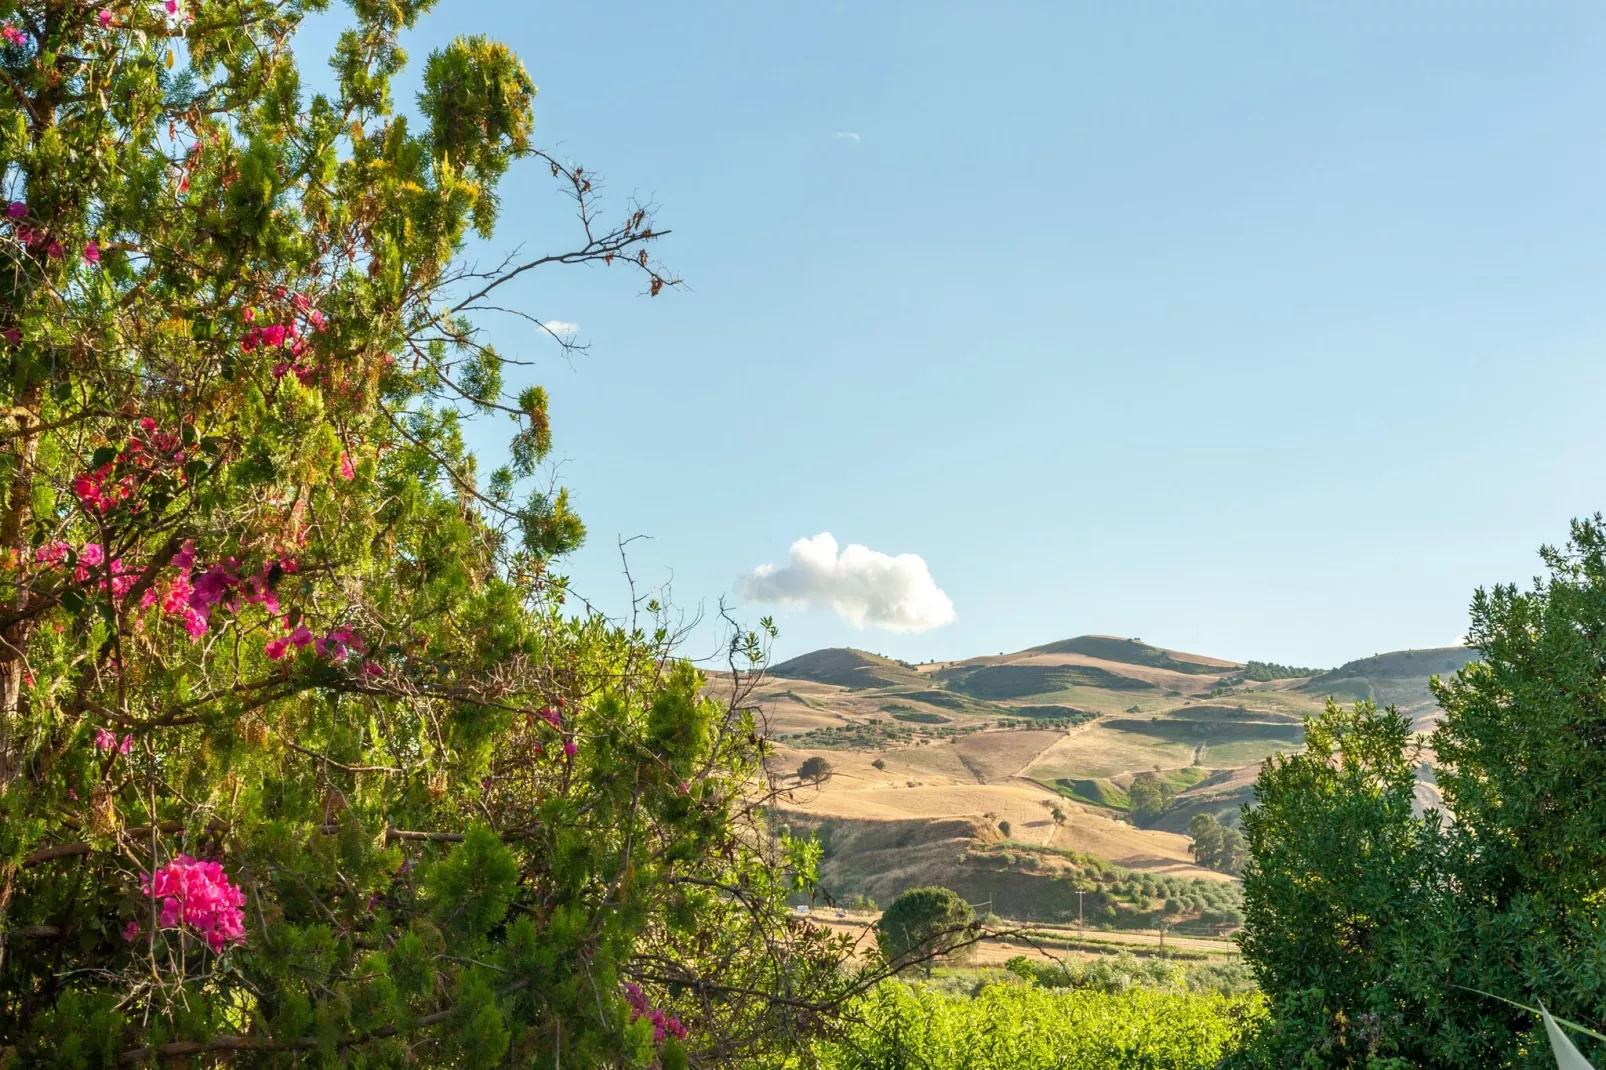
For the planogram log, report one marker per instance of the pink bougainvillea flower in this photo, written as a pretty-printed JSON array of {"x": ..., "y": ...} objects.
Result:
[
  {"x": 104, "y": 740},
  {"x": 199, "y": 896},
  {"x": 105, "y": 18},
  {"x": 126, "y": 745},
  {"x": 92, "y": 253},
  {"x": 569, "y": 748},
  {"x": 275, "y": 648},
  {"x": 13, "y": 35},
  {"x": 212, "y": 586},
  {"x": 347, "y": 471},
  {"x": 301, "y": 636},
  {"x": 16, "y": 210},
  {"x": 171, "y": 6},
  {"x": 131, "y": 930},
  {"x": 55, "y": 250},
  {"x": 12, "y": 335},
  {"x": 372, "y": 668}
]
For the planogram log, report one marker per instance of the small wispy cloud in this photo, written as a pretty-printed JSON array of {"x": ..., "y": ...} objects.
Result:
[
  {"x": 865, "y": 587},
  {"x": 846, "y": 135},
  {"x": 561, "y": 328}
]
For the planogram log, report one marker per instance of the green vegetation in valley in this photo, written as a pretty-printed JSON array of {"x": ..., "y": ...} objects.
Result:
[
  {"x": 1069, "y": 715},
  {"x": 1028, "y": 1027},
  {"x": 1124, "y": 971},
  {"x": 1116, "y": 897}
]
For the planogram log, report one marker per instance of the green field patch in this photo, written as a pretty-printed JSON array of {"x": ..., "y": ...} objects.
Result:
[
  {"x": 1130, "y": 652},
  {"x": 1073, "y": 714},
  {"x": 1024, "y": 681},
  {"x": 1094, "y": 792},
  {"x": 917, "y": 716},
  {"x": 1212, "y": 732},
  {"x": 846, "y": 667}
]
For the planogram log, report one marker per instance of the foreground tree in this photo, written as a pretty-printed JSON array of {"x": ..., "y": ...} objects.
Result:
[
  {"x": 1522, "y": 766},
  {"x": 300, "y": 758},
  {"x": 1381, "y": 934},
  {"x": 1335, "y": 874},
  {"x": 924, "y": 924}
]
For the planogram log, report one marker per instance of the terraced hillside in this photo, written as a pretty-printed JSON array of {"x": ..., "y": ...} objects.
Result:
[{"x": 1041, "y": 748}]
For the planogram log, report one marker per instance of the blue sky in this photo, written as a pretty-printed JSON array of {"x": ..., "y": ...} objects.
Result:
[{"x": 1260, "y": 330}]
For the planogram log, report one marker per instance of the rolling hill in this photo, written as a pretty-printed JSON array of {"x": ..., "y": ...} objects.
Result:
[{"x": 935, "y": 764}]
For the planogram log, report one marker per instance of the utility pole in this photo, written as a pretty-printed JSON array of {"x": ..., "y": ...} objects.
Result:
[{"x": 1081, "y": 922}]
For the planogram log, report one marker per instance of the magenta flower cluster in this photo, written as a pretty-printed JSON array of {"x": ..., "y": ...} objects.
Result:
[
  {"x": 662, "y": 1024},
  {"x": 105, "y": 740},
  {"x": 198, "y": 896}
]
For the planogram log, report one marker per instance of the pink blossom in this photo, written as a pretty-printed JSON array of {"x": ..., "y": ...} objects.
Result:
[
  {"x": 569, "y": 748},
  {"x": 131, "y": 930},
  {"x": 211, "y": 587},
  {"x": 347, "y": 471},
  {"x": 372, "y": 668},
  {"x": 301, "y": 636},
  {"x": 249, "y": 314},
  {"x": 13, "y": 35},
  {"x": 171, "y": 6},
  {"x": 184, "y": 560},
  {"x": 104, "y": 740},
  {"x": 16, "y": 210},
  {"x": 12, "y": 335},
  {"x": 105, "y": 18},
  {"x": 275, "y": 648},
  {"x": 53, "y": 552},
  {"x": 55, "y": 250},
  {"x": 199, "y": 896},
  {"x": 92, "y": 253}
]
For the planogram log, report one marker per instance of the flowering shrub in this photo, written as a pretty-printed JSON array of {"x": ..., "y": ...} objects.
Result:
[{"x": 261, "y": 606}]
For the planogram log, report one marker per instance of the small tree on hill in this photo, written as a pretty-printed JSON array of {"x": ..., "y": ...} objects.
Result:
[
  {"x": 1205, "y": 832},
  {"x": 924, "y": 924},
  {"x": 1150, "y": 796},
  {"x": 815, "y": 770},
  {"x": 1004, "y": 827}
]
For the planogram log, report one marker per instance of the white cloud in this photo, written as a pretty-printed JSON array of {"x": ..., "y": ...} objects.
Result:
[
  {"x": 561, "y": 328},
  {"x": 847, "y": 135},
  {"x": 864, "y": 587}
]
